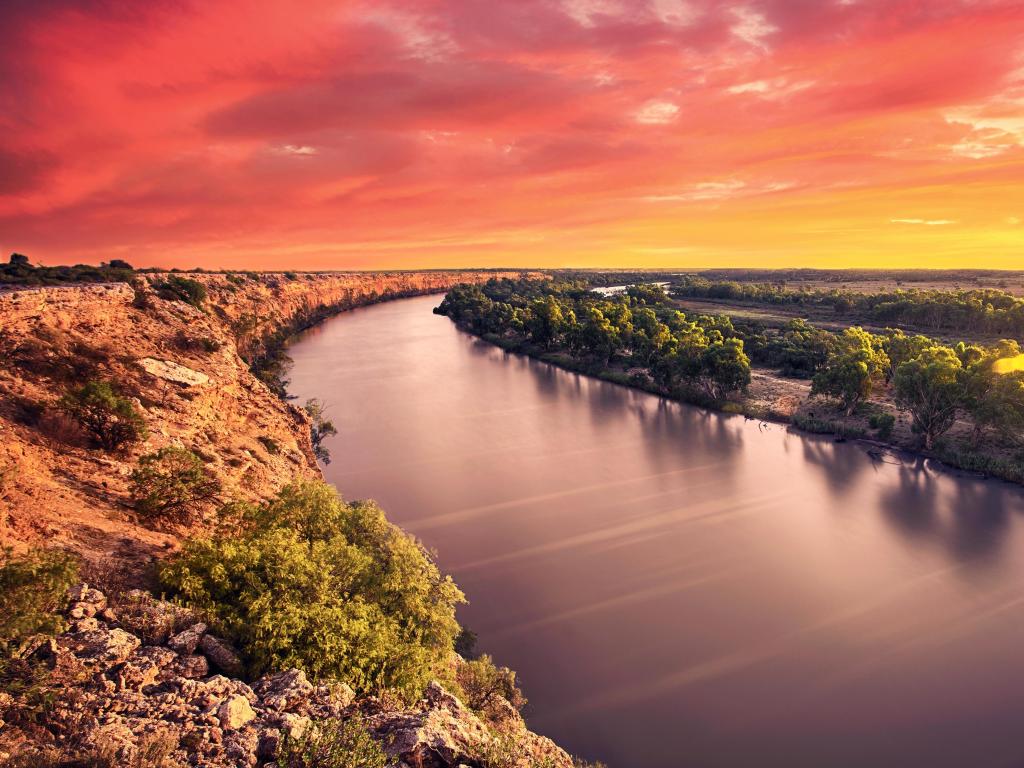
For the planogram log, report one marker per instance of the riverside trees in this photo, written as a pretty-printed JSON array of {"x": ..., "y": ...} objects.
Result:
[
  {"x": 704, "y": 358},
  {"x": 699, "y": 358}
]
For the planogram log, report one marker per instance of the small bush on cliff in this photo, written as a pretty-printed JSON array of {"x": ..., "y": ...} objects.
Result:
[
  {"x": 332, "y": 744},
  {"x": 176, "y": 288},
  {"x": 33, "y": 593},
  {"x": 320, "y": 428},
  {"x": 483, "y": 684},
  {"x": 109, "y": 418},
  {"x": 334, "y": 589},
  {"x": 172, "y": 484}
]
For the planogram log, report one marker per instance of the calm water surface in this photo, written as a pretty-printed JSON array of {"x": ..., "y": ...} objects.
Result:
[{"x": 680, "y": 588}]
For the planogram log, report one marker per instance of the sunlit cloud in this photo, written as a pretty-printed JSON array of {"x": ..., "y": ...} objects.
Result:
[
  {"x": 606, "y": 132},
  {"x": 657, "y": 113}
]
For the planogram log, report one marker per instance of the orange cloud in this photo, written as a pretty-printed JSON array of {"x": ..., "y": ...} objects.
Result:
[{"x": 542, "y": 132}]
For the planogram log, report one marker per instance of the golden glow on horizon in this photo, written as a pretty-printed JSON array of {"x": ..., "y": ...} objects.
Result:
[{"x": 538, "y": 133}]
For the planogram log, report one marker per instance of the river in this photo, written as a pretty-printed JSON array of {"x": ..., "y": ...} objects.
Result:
[{"x": 677, "y": 587}]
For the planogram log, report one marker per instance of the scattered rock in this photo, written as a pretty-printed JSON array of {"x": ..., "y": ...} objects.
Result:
[
  {"x": 284, "y": 689},
  {"x": 235, "y": 712},
  {"x": 168, "y": 370},
  {"x": 221, "y": 655},
  {"x": 187, "y": 641}
]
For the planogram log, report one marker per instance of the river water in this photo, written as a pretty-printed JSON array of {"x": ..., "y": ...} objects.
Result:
[{"x": 677, "y": 587}]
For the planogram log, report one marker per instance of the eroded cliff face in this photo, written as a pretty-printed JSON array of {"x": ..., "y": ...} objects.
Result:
[{"x": 182, "y": 367}]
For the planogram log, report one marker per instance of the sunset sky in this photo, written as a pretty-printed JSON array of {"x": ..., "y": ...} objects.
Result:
[{"x": 426, "y": 133}]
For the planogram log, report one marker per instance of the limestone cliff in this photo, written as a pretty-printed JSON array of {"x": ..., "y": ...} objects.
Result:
[{"x": 182, "y": 365}]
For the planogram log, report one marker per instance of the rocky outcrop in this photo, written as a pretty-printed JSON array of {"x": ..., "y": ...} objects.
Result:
[
  {"x": 115, "y": 695},
  {"x": 185, "y": 371}
]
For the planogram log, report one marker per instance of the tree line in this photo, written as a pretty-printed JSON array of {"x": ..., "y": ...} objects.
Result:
[
  {"x": 704, "y": 358},
  {"x": 978, "y": 310},
  {"x": 698, "y": 358}
]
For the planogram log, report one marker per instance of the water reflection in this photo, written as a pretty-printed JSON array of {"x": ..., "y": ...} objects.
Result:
[{"x": 677, "y": 587}]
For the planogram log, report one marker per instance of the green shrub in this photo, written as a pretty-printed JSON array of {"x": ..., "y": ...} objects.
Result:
[
  {"x": 270, "y": 444},
  {"x": 331, "y": 588},
  {"x": 176, "y": 288},
  {"x": 110, "y": 419},
  {"x": 884, "y": 423},
  {"x": 320, "y": 428},
  {"x": 332, "y": 744},
  {"x": 172, "y": 484},
  {"x": 483, "y": 684},
  {"x": 33, "y": 593}
]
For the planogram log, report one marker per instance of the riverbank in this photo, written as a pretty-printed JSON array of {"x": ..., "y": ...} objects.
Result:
[{"x": 779, "y": 400}]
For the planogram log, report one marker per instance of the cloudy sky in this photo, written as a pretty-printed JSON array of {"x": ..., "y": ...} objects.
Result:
[{"x": 352, "y": 134}]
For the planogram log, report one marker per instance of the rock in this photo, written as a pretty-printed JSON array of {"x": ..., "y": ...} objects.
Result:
[
  {"x": 135, "y": 674},
  {"x": 83, "y": 594},
  {"x": 187, "y": 641},
  {"x": 103, "y": 645},
  {"x": 173, "y": 372},
  {"x": 278, "y": 692},
  {"x": 221, "y": 655},
  {"x": 270, "y": 742},
  {"x": 235, "y": 712},
  {"x": 192, "y": 667}
]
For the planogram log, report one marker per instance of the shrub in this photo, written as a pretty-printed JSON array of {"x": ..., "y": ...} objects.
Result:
[
  {"x": 483, "y": 684},
  {"x": 109, "y": 418},
  {"x": 176, "y": 288},
  {"x": 884, "y": 423},
  {"x": 33, "y": 594},
  {"x": 196, "y": 343},
  {"x": 321, "y": 427},
  {"x": 172, "y": 484},
  {"x": 332, "y": 744},
  {"x": 270, "y": 444},
  {"x": 331, "y": 588}
]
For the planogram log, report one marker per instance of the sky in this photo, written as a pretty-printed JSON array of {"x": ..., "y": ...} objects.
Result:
[{"x": 428, "y": 133}]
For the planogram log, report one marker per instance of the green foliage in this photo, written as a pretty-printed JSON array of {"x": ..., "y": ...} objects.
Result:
[
  {"x": 852, "y": 371},
  {"x": 110, "y": 419},
  {"x": 884, "y": 423},
  {"x": 33, "y": 594},
  {"x": 172, "y": 484},
  {"x": 332, "y": 743},
  {"x": 320, "y": 428},
  {"x": 18, "y": 271},
  {"x": 176, "y": 288},
  {"x": 931, "y": 387},
  {"x": 483, "y": 683},
  {"x": 986, "y": 311},
  {"x": 309, "y": 581},
  {"x": 269, "y": 444}
]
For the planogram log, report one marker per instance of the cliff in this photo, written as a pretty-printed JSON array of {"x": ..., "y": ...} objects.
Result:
[{"x": 183, "y": 367}]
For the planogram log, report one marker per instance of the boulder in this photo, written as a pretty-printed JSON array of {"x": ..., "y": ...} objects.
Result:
[
  {"x": 168, "y": 370},
  {"x": 234, "y": 712},
  {"x": 284, "y": 689},
  {"x": 192, "y": 667},
  {"x": 221, "y": 655},
  {"x": 102, "y": 646},
  {"x": 186, "y": 641}
]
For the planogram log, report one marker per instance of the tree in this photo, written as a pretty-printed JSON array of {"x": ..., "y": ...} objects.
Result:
[
  {"x": 546, "y": 321},
  {"x": 172, "y": 484},
  {"x": 598, "y": 336},
  {"x": 110, "y": 419},
  {"x": 931, "y": 387},
  {"x": 899, "y": 348},
  {"x": 320, "y": 428},
  {"x": 994, "y": 400},
  {"x": 18, "y": 260},
  {"x": 726, "y": 368},
  {"x": 332, "y": 588},
  {"x": 851, "y": 372}
]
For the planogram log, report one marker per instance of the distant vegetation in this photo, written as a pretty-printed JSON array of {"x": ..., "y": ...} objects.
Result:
[
  {"x": 18, "y": 271},
  {"x": 981, "y": 310}
]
